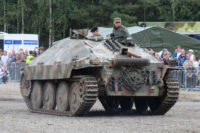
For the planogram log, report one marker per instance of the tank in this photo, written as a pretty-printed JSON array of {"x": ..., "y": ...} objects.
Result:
[{"x": 68, "y": 78}]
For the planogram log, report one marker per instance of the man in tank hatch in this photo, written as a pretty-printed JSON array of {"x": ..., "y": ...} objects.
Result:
[
  {"x": 95, "y": 34},
  {"x": 120, "y": 32}
]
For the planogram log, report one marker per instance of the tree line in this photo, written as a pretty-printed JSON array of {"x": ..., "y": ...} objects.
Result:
[{"x": 52, "y": 19}]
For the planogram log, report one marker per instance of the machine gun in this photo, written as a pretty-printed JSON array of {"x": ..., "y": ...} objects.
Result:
[{"x": 126, "y": 41}]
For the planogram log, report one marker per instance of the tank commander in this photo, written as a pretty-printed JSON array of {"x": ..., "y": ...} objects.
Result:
[
  {"x": 120, "y": 33},
  {"x": 95, "y": 34}
]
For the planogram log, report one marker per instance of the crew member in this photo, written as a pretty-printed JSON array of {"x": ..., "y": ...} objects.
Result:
[
  {"x": 120, "y": 32},
  {"x": 95, "y": 34}
]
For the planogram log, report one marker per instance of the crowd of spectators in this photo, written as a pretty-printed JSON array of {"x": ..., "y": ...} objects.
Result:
[
  {"x": 21, "y": 56},
  {"x": 184, "y": 59}
]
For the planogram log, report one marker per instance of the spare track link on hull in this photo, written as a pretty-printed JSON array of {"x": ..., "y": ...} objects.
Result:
[
  {"x": 171, "y": 97},
  {"x": 90, "y": 97}
]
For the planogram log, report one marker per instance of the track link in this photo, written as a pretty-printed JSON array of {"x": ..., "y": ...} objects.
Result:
[
  {"x": 90, "y": 94},
  {"x": 171, "y": 97}
]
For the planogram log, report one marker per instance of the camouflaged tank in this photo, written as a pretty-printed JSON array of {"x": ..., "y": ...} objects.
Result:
[{"x": 68, "y": 78}]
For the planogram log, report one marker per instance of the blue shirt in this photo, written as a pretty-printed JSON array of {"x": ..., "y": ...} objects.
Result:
[
  {"x": 174, "y": 55},
  {"x": 13, "y": 58},
  {"x": 181, "y": 60}
]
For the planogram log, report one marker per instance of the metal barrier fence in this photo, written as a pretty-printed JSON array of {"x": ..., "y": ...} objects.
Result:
[
  {"x": 185, "y": 81},
  {"x": 14, "y": 72},
  {"x": 187, "y": 78}
]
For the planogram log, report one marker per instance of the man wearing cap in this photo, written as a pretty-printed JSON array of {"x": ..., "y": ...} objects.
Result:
[
  {"x": 163, "y": 52},
  {"x": 120, "y": 32},
  {"x": 95, "y": 34},
  {"x": 190, "y": 53}
]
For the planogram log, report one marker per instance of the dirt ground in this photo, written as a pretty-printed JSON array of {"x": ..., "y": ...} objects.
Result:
[{"x": 184, "y": 117}]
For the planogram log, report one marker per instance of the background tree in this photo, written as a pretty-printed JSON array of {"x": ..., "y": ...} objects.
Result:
[{"x": 32, "y": 16}]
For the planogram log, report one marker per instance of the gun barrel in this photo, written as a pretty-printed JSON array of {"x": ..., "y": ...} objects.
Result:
[{"x": 141, "y": 62}]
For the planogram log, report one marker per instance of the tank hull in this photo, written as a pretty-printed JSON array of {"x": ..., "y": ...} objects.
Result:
[{"x": 69, "y": 77}]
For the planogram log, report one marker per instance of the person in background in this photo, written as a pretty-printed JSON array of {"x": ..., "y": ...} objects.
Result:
[
  {"x": 189, "y": 71},
  {"x": 187, "y": 61},
  {"x": 167, "y": 58},
  {"x": 21, "y": 56},
  {"x": 21, "y": 50},
  {"x": 196, "y": 65},
  {"x": 10, "y": 58},
  {"x": 3, "y": 74},
  {"x": 13, "y": 56},
  {"x": 30, "y": 57},
  {"x": 26, "y": 54},
  {"x": 162, "y": 53},
  {"x": 18, "y": 58},
  {"x": 190, "y": 53},
  {"x": 177, "y": 52},
  {"x": 0, "y": 54},
  {"x": 157, "y": 55},
  {"x": 4, "y": 58},
  {"x": 41, "y": 50},
  {"x": 182, "y": 58},
  {"x": 196, "y": 73},
  {"x": 190, "y": 74},
  {"x": 198, "y": 77},
  {"x": 35, "y": 52}
]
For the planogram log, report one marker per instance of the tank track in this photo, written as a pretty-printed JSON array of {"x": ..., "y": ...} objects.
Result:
[
  {"x": 171, "y": 97},
  {"x": 89, "y": 98}
]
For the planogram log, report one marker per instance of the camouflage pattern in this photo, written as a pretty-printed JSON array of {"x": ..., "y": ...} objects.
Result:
[
  {"x": 117, "y": 20},
  {"x": 66, "y": 57},
  {"x": 176, "y": 26}
]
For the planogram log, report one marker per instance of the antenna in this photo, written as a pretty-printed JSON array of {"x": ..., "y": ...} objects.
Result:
[{"x": 144, "y": 2}]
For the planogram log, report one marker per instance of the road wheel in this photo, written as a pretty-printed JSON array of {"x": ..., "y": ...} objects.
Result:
[
  {"x": 75, "y": 97},
  {"x": 36, "y": 95},
  {"x": 62, "y": 97},
  {"x": 49, "y": 96}
]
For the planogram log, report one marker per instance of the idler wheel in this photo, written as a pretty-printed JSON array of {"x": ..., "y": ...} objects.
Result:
[
  {"x": 49, "y": 97},
  {"x": 62, "y": 97},
  {"x": 83, "y": 94},
  {"x": 25, "y": 86},
  {"x": 160, "y": 106},
  {"x": 36, "y": 95}
]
